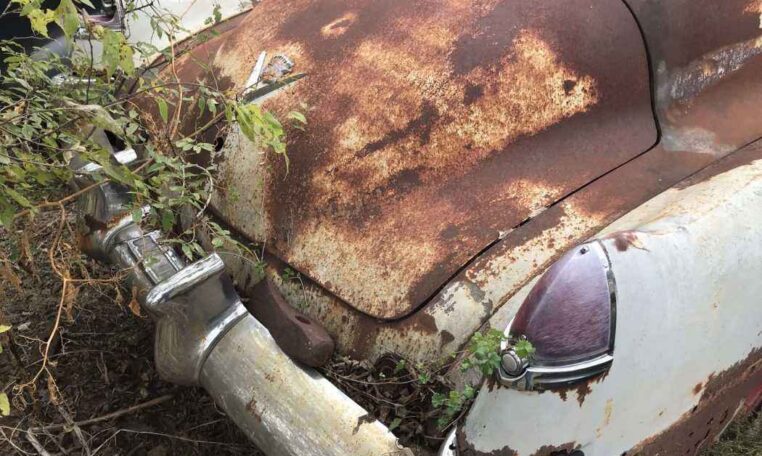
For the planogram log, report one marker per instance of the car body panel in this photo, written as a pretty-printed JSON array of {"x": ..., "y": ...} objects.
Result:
[
  {"x": 433, "y": 129},
  {"x": 707, "y": 51},
  {"x": 688, "y": 338},
  {"x": 446, "y": 321}
]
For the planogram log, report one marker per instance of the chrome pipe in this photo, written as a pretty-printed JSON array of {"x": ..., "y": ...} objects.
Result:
[
  {"x": 286, "y": 409},
  {"x": 205, "y": 336}
]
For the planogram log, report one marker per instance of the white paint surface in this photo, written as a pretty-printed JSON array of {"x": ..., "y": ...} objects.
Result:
[{"x": 688, "y": 306}]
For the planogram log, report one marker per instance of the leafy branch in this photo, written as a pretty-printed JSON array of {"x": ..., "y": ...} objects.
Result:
[{"x": 56, "y": 111}]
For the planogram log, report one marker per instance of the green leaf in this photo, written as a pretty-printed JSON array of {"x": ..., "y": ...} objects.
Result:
[
  {"x": 67, "y": 17},
  {"x": 524, "y": 349},
  {"x": 187, "y": 251},
  {"x": 3, "y": 328},
  {"x": 217, "y": 242},
  {"x": 167, "y": 220},
  {"x": 395, "y": 424},
  {"x": 5, "y": 405},
  {"x": 137, "y": 215},
  {"x": 297, "y": 116},
  {"x": 6, "y": 214},
  {"x": 438, "y": 400},
  {"x": 18, "y": 197},
  {"x": 39, "y": 20},
  {"x": 163, "y": 109}
]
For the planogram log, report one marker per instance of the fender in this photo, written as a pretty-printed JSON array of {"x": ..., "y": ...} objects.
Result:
[{"x": 688, "y": 335}]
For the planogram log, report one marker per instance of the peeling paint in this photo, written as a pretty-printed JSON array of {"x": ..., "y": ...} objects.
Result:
[
  {"x": 664, "y": 313},
  {"x": 418, "y": 139}
]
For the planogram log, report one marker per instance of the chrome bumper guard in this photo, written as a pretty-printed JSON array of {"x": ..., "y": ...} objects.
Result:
[{"x": 205, "y": 336}]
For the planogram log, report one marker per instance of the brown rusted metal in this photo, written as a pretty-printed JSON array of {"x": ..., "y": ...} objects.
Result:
[
  {"x": 446, "y": 322},
  {"x": 724, "y": 396},
  {"x": 568, "y": 449},
  {"x": 707, "y": 50},
  {"x": 727, "y": 106},
  {"x": 298, "y": 336},
  {"x": 434, "y": 126},
  {"x": 466, "y": 449}
]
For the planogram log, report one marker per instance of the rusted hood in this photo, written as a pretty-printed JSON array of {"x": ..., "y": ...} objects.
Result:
[{"x": 435, "y": 127}]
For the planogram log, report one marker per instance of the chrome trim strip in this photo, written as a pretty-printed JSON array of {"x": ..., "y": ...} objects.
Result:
[
  {"x": 184, "y": 280},
  {"x": 449, "y": 446},
  {"x": 572, "y": 368},
  {"x": 256, "y": 73},
  {"x": 123, "y": 157}
]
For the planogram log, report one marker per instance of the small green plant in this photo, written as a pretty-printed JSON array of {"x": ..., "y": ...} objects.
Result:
[
  {"x": 289, "y": 274},
  {"x": 484, "y": 352},
  {"x": 524, "y": 349},
  {"x": 484, "y": 355},
  {"x": 452, "y": 403}
]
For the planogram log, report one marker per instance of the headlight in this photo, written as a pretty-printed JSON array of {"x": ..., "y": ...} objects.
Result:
[{"x": 569, "y": 317}]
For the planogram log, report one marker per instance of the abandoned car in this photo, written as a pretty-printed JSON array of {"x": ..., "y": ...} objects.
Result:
[{"x": 583, "y": 173}]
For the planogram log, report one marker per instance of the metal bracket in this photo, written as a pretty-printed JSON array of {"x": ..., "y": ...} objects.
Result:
[{"x": 194, "y": 308}]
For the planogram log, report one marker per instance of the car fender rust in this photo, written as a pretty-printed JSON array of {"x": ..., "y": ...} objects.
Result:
[
  {"x": 433, "y": 127},
  {"x": 722, "y": 398},
  {"x": 482, "y": 288}
]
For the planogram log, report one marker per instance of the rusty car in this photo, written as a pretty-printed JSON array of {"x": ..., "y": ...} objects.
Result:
[{"x": 583, "y": 173}]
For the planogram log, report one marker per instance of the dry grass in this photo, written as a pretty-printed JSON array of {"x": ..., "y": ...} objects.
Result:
[{"x": 743, "y": 438}]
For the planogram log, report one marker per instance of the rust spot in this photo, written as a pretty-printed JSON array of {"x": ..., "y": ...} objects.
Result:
[
  {"x": 724, "y": 396},
  {"x": 582, "y": 388},
  {"x": 446, "y": 337},
  {"x": 472, "y": 93},
  {"x": 582, "y": 391},
  {"x": 251, "y": 407},
  {"x": 364, "y": 419},
  {"x": 569, "y": 86},
  {"x": 697, "y": 388},
  {"x": 623, "y": 240},
  {"x": 556, "y": 450},
  {"x": 466, "y": 449}
]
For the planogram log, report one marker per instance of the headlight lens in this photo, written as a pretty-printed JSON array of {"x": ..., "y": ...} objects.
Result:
[{"x": 569, "y": 317}]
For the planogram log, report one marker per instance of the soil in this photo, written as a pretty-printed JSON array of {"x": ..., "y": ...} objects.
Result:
[{"x": 101, "y": 361}]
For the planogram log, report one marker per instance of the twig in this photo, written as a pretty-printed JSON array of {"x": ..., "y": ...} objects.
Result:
[
  {"x": 62, "y": 201},
  {"x": 65, "y": 278},
  {"x": 108, "y": 416},
  {"x": 77, "y": 430},
  {"x": 36, "y": 444},
  {"x": 10, "y": 442}
]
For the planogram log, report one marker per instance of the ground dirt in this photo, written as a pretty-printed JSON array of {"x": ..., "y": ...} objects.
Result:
[{"x": 100, "y": 363}]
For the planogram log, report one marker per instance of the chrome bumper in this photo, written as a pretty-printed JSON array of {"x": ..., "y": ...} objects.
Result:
[{"x": 205, "y": 336}]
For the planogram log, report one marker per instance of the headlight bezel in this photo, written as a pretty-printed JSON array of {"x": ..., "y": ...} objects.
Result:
[{"x": 532, "y": 375}]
